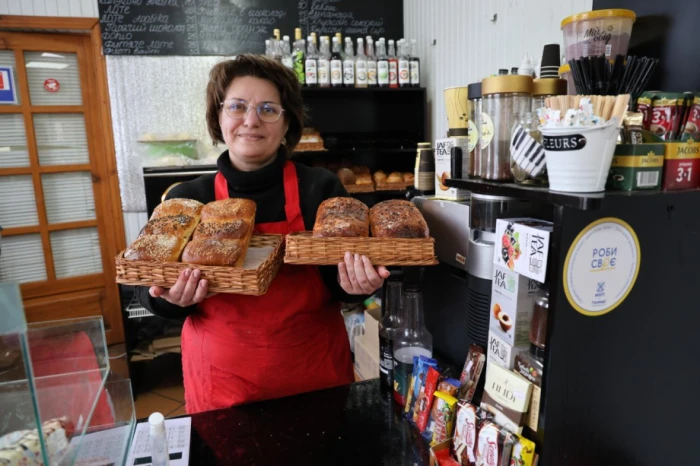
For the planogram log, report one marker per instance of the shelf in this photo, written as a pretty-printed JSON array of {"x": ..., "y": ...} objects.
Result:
[{"x": 583, "y": 201}]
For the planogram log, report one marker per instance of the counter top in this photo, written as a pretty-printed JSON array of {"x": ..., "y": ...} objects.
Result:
[{"x": 347, "y": 425}]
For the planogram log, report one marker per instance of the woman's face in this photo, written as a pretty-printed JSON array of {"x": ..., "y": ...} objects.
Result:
[{"x": 252, "y": 143}]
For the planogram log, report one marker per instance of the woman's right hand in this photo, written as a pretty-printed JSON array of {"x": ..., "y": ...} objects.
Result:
[{"x": 189, "y": 289}]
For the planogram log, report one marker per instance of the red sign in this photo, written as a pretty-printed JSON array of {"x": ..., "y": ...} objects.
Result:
[{"x": 51, "y": 85}]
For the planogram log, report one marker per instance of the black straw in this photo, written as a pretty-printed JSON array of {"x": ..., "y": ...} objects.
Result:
[{"x": 597, "y": 76}]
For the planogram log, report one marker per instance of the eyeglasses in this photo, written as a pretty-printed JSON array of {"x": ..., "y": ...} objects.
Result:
[{"x": 267, "y": 111}]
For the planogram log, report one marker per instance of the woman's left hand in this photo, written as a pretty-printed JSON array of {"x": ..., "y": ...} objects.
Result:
[{"x": 357, "y": 275}]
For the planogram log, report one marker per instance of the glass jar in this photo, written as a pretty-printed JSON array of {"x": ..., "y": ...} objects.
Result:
[
  {"x": 530, "y": 124},
  {"x": 546, "y": 87},
  {"x": 504, "y": 97},
  {"x": 475, "y": 108},
  {"x": 424, "y": 173}
]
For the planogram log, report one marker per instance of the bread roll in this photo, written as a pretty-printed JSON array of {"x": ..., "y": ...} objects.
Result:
[
  {"x": 342, "y": 217},
  {"x": 360, "y": 170},
  {"x": 215, "y": 252},
  {"x": 397, "y": 219},
  {"x": 363, "y": 179},
  {"x": 175, "y": 225},
  {"x": 379, "y": 177},
  {"x": 229, "y": 209},
  {"x": 346, "y": 176},
  {"x": 395, "y": 177},
  {"x": 156, "y": 248},
  {"x": 178, "y": 206},
  {"x": 222, "y": 230},
  {"x": 408, "y": 178}
]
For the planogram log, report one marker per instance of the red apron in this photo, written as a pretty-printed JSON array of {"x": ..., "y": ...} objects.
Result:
[{"x": 239, "y": 348}]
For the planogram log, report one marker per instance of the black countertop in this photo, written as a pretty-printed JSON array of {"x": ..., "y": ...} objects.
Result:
[{"x": 347, "y": 425}]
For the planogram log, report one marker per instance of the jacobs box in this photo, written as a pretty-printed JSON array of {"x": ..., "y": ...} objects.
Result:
[{"x": 522, "y": 245}]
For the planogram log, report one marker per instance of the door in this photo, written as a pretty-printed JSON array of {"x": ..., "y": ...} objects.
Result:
[{"x": 60, "y": 229}]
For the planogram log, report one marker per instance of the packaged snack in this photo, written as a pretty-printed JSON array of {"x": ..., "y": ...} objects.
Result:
[
  {"x": 507, "y": 396},
  {"x": 420, "y": 370},
  {"x": 443, "y": 414},
  {"x": 523, "y": 452},
  {"x": 494, "y": 445},
  {"x": 468, "y": 421},
  {"x": 633, "y": 127},
  {"x": 449, "y": 386},
  {"x": 426, "y": 399},
  {"x": 691, "y": 130},
  {"x": 471, "y": 372},
  {"x": 644, "y": 107},
  {"x": 664, "y": 114}
]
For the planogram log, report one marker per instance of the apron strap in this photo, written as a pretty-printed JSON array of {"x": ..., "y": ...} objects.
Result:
[{"x": 292, "y": 210}]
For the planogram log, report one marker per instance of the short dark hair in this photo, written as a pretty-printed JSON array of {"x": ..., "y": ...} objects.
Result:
[{"x": 222, "y": 75}]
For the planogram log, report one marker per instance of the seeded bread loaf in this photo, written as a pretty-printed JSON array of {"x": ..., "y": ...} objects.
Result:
[
  {"x": 156, "y": 248},
  {"x": 397, "y": 219},
  {"x": 174, "y": 225},
  {"x": 207, "y": 251},
  {"x": 178, "y": 206},
  {"x": 342, "y": 217}
]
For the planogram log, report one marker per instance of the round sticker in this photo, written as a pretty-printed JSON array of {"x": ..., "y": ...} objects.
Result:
[
  {"x": 473, "y": 135},
  {"x": 602, "y": 266},
  {"x": 51, "y": 85}
]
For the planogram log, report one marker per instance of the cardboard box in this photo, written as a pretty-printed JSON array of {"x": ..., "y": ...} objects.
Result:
[
  {"x": 682, "y": 170},
  {"x": 512, "y": 304},
  {"x": 501, "y": 353},
  {"x": 366, "y": 359},
  {"x": 372, "y": 318},
  {"x": 522, "y": 245},
  {"x": 507, "y": 396},
  {"x": 637, "y": 167},
  {"x": 437, "y": 454},
  {"x": 443, "y": 167}
]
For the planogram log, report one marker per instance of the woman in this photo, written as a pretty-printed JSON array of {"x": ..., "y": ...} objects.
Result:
[{"x": 238, "y": 348}]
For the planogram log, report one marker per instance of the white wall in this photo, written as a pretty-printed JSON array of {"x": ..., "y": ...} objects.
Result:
[
  {"x": 79, "y": 8},
  {"x": 469, "y": 45}
]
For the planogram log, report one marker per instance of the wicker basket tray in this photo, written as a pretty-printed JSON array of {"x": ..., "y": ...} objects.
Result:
[
  {"x": 359, "y": 188},
  {"x": 221, "y": 279},
  {"x": 303, "y": 248}
]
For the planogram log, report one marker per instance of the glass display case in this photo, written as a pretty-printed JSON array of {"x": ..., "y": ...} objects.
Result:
[{"x": 59, "y": 403}]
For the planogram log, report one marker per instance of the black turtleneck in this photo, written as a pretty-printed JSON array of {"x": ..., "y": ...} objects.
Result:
[{"x": 266, "y": 187}]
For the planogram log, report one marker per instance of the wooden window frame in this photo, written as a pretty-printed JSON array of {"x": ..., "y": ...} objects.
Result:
[{"x": 100, "y": 107}]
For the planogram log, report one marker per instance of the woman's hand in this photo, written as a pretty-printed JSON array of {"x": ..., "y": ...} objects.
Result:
[
  {"x": 357, "y": 275},
  {"x": 188, "y": 290}
]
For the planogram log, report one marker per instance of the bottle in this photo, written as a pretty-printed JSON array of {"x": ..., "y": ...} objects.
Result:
[
  {"x": 404, "y": 69},
  {"x": 411, "y": 339},
  {"x": 159, "y": 440},
  {"x": 348, "y": 65},
  {"x": 324, "y": 64},
  {"x": 360, "y": 65},
  {"x": 336, "y": 65},
  {"x": 287, "y": 59},
  {"x": 311, "y": 64},
  {"x": 298, "y": 55},
  {"x": 340, "y": 42},
  {"x": 371, "y": 64},
  {"x": 276, "y": 49},
  {"x": 414, "y": 65},
  {"x": 388, "y": 326},
  {"x": 268, "y": 47},
  {"x": 315, "y": 40},
  {"x": 393, "y": 65},
  {"x": 382, "y": 65},
  {"x": 276, "y": 34}
]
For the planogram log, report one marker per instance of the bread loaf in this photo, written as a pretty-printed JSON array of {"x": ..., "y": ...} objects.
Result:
[
  {"x": 397, "y": 219},
  {"x": 408, "y": 178},
  {"x": 224, "y": 234},
  {"x": 175, "y": 225},
  {"x": 360, "y": 170},
  {"x": 342, "y": 217},
  {"x": 205, "y": 251},
  {"x": 363, "y": 179},
  {"x": 379, "y": 177},
  {"x": 156, "y": 248},
  {"x": 346, "y": 176},
  {"x": 395, "y": 177},
  {"x": 178, "y": 206}
]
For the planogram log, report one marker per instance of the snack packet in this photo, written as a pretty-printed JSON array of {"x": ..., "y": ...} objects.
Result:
[
  {"x": 425, "y": 400},
  {"x": 449, "y": 386},
  {"x": 468, "y": 422},
  {"x": 494, "y": 446},
  {"x": 420, "y": 369},
  {"x": 664, "y": 112},
  {"x": 443, "y": 414},
  {"x": 691, "y": 130},
  {"x": 644, "y": 107},
  {"x": 471, "y": 373},
  {"x": 633, "y": 127},
  {"x": 523, "y": 452}
]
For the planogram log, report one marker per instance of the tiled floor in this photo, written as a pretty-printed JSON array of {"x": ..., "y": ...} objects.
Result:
[{"x": 167, "y": 399}]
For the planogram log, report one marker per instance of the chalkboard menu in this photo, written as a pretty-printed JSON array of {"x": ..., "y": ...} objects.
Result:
[{"x": 230, "y": 27}]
